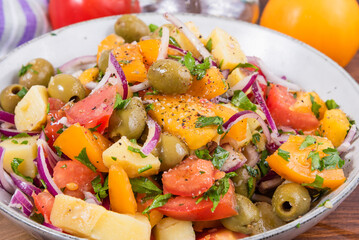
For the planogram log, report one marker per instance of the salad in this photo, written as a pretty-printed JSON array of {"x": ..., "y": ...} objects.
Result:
[{"x": 167, "y": 134}]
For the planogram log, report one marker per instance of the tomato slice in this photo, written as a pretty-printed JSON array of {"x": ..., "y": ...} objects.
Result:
[
  {"x": 219, "y": 234},
  {"x": 186, "y": 208},
  {"x": 95, "y": 109},
  {"x": 55, "y": 113},
  {"x": 279, "y": 102},
  {"x": 67, "y": 172},
  {"x": 44, "y": 202},
  {"x": 191, "y": 177}
]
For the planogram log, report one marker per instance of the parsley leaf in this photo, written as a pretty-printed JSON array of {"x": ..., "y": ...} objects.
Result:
[
  {"x": 144, "y": 185},
  {"x": 149, "y": 107},
  {"x": 308, "y": 141},
  {"x": 15, "y": 165},
  {"x": 209, "y": 45},
  {"x": 250, "y": 184},
  {"x": 136, "y": 150},
  {"x": 24, "y": 69},
  {"x": 22, "y": 92},
  {"x": 144, "y": 169},
  {"x": 332, "y": 160},
  {"x": 173, "y": 42},
  {"x": 120, "y": 103},
  {"x": 246, "y": 65},
  {"x": 203, "y": 154},
  {"x": 198, "y": 70},
  {"x": 256, "y": 138},
  {"x": 284, "y": 154},
  {"x": 219, "y": 157},
  {"x": 252, "y": 172},
  {"x": 84, "y": 159},
  {"x": 207, "y": 121},
  {"x": 318, "y": 183},
  {"x": 158, "y": 201},
  {"x": 317, "y": 164},
  {"x": 152, "y": 27},
  {"x": 331, "y": 104},
  {"x": 315, "y": 106},
  {"x": 58, "y": 151},
  {"x": 263, "y": 164},
  {"x": 100, "y": 191},
  {"x": 94, "y": 129},
  {"x": 241, "y": 100}
]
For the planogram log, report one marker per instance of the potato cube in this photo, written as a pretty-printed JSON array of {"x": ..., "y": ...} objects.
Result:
[{"x": 173, "y": 229}]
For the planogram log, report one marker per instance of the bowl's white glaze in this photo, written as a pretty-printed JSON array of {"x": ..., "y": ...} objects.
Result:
[{"x": 284, "y": 55}]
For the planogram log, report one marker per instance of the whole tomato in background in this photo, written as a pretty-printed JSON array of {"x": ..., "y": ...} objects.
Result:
[
  {"x": 66, "y": 12},
  {"x": 332, "y": 26}
]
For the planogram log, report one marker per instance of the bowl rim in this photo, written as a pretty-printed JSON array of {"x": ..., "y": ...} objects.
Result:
[{"x": 314, "y": 213}]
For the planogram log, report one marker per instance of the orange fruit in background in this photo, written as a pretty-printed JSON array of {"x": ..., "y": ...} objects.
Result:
[{"x": 331, "y": 26}]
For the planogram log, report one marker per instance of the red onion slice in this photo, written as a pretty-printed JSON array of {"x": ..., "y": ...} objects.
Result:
[
  {"x": 141, "y": 86},
  {"x": 271, "y": 77},
  {"x": 9, "y": 130},
  {"x": 191, "y": 37},
  {"x": 52, "y": 226},
  {"x": 247, "y": 114},
  {"x": 90, "y": 198},
  {"x": 154, "y": 133},
  {"x": 79, "y": 63},
  {"x": 344, "y": 147},
  {"x": 44, "y": 171},
  {"x": 6, "y": 181},
  {"x": 225, "y": 73},
  {"x": 245, "y": 84},
  {"x": 25, "y": 186},
  {"x": 234, "y": 160},
  {"x": 53, "y": 157},
  {"x": 7, "y": 117},
  {"x": 20, "y": 201},
  {"x": 162, "y": 52}
]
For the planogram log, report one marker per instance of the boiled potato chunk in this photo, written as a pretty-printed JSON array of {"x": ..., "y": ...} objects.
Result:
[
  {"x": 235, "y": 77},
  {"x": 31, "y": 111},
  {"x": 130, "y": 161},
  {"x": 113, "y": 226},
  {"x": 173, "y": 229},
  {"x": 334, "y": 126},
  {"x": 24, "y": 148},
  {"x": 227, "y": 49},
  {"x": 75, "y": 216}
]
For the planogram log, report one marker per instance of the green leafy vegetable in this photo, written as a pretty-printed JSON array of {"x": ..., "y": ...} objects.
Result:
[
  {"x": 198, "y": 70},
  {"x": 100, "y": 190},
  {"x": 158, "y": 201},
  {"x": 203, "y": 154},
  {"x": 24, "y": 69},
  {"x": 209, "y": 45},
  {"x": 252, "y": 172},
  {"x": 284, "y": 154},
  {"x": 22, "y": 92},
  {"x": 318, "y": 182},
  {"x": 207, "y": 121},
  {"x": 15, "y": 168},
  {"x": 241, "y": 100},
  {"x": 246, "y": 65},
  {"x": 84, "y": 159},
  {"x": 331, "y": 104},
  {"x": 256, "y": 138},
  {"x": 250, "y": 184},
  {"x": 315, "y": 106},
  {"x": 263, "y": 164},
  {"x": 136, "y": 150},
  {"x": 120, "y": 103},
  {"x": 24, "y": 142},
  {"x": 173, "y": 42},
  {"x": 219, "y": 157},
  {"x": 149, "y": 107},
  {"x": 145, "y": 168},
  {"x": 144, "y": 185},
  {"x": 48, "y": 108},
  {"x": 94, "y": 129},
  {"x": 152, "y": 27},
  {"x": 317, "y": 164},
  {"x": 308, "y": 141},
  {"x": 333, "y": 160}
]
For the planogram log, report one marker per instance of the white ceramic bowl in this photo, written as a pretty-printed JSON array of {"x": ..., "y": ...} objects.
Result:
[{"x": 284, "y": 55}]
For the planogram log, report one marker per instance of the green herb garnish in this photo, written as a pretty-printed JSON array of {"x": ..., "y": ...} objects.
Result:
[
  {"x": 284, "y": 154},
  {"x": 209, "y": 45},
  {"x": 120, "y": 103},
  {"x": 144, "y": 169},
  {"x": 315, "y": 106},
  {"x": 308, "y": 141},
  {"x": 158, "y": 201},
  {"x": 22, "y": 92},
  {"x": 241, "y": 101},
  {"x": 136, "y": 150},
  {"x": 84, "y": 159},
  {"x": 15, "y": 165},
  {"x": 152, "y": 27},
  {"x": 198, "y": 70},
  {"x": 331, "y": 104},
  {"x": 219, "y": 157},
  {"x": 99, "y": 189}
]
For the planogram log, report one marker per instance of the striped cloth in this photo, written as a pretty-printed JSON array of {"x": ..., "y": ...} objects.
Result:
[{"x": 21, "y": 21}]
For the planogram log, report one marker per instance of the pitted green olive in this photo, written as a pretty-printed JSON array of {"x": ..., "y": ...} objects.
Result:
[
  {"x": 37, "y": 72},
  {"x": 129, "y": 122},
  {"x": 244, "y": 183},
  {"x": 268, "y": 220},
  {"x": 9, "y": 97},
  {"x": 103, "y": 60},
  {"x": 131, "y": 28},
  {"x": 290, "y": 201},
  {"x": 169, "y": 77},
  {"x": 66, "y": 87}
]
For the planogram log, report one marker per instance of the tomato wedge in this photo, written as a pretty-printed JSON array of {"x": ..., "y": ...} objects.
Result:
[
  {"x": 186, "y": 208},
  {"x": 279, "y": 103},
  {"x": 95, "y": 109},
  {"x": 191, "y": 178},
  {"x": 44, "y": 202},
  {"x": 219, "y": 234},
  {"x": 53, "y": 128}
]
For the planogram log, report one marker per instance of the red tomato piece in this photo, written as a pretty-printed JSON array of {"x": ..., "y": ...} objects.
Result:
[
  {"x": 220, "y": 234},
  {"x": 279, "y": 102},
  {"x": 95, "y": 109},
  {"x": 185, "y": 208},
  {"x": 191, "y": 177},
  {"x": 52, "y": 129},
  {"x": 44, "y": 202},
  {"x": 55, "y": 104},
  {"x": 68, "y": 172}
]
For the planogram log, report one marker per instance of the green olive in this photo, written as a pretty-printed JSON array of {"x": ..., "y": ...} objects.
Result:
[
  {"x": 267, "y": 218},
  {"x": 66, "y": 88},
  {"x": 169, "y": 77},
  {"x": 103, "y": 60},
  {"x": 290, "y": 201},
  {"x": 131, "y": 28},
  {"x": 37, "y": 72},
  {"x": 172, "y": 150},
  {"x": 244, "y": 183},
  {"x": 9, "y": 98},
  {"x": 129, "y": 122},
  {"x": 247, "y": 215}
]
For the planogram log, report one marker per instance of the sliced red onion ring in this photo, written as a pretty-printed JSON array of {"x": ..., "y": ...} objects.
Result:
[
  {"x": 6, "y": 181},
  {"x": 44, "y": 171},
  {"x": 5, "y": 196},
  {"x": 191, "y": 37},
  {"x": 162, "y": 52},
  {"x": 184, "y": 52},
  {"x": 90, "y": 198},
  {"x": 154, "y": 133},
  {"x": 52, "y": 226},
  {"x": 25, "y": 186},
  {"x": 106, "y": 203},
  {"x": 54, "y": 158},
  {"x": 20, "y": 201},
  {"x": 9, "y": 130},
  {"x": 234, "y": 160},
  {"x": 141, "y": 86},
  {"x": 79, "y": 63},
  {"x": 271, "y": 77},
  {"x": 114, "y": 75},
  {"x": 247, "y": 114},
  {"x": 245, "y": 84},
  {"x": 7, "y": 117},
  {"x": 250, "y": 82},
  {"x": 344, "y": 147},
  {"x": 225, "y": 73}
]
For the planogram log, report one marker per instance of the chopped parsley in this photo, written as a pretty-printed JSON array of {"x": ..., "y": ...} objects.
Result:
[
  {"x": 150, "y": 107},
  {"x": 220, "y": 64},
  {"x": 207, "y": 121},
  {"x": 61, "y": 130},
  {"x": 251, "y": 171},
  {"x": 298, "y": 225},
  {"x": 114, "y": 158},
  {"x": 58, "y": 71},
  {"x": 152, "y": 27},
  {"x": 219, "y": 157},
  {"x": 198, "y": 70},
  {"x": 246, "y": 65},
  {"x": 133, "y": 140},
  {"x": 120, "y": 103},
  {"x": 64, "y": 166},
  {"x": 250, "y": 185},
  {"x": 284, "y": 154},
  {"x": 315, "y": 106},
  {"x": 15, "y": 165},
  {"x": 144, "y": 185},
  {"x": 14, "y": 141},
  {"x": 158, "y": 201},
  {"x": 308, "y": 141},
  {"x": 333, "y": 159},
  {"x": 174, "y": 57},
  {"x": 203, "y": 154},
  {"x": 100, "y": 190},
  {"x": 136, "y": 150},
  {"x": 94, "y": 129},
  {"x": 173, "y": 42},
  {"x": 24, "y": 142},
  {"x": 48, "y": 108},
  {"x": 43, "y": 183},
  {"x": 125, "y": 62},
  {"x": 331, "y": 104},
  {"x": 22, "y": 92},
  {"x": 316, "y": 161},
  {"x": 209, "y": 45},
  {"x": 263, "y": 164},
  {"x": 256, "y": 138},
  {"x": 241, "y": 101},
  {"x": 144, "y": 169},
  {"x": 58, "y": 151},
  {"x": 26, "y": 68},
  {"x": 84, "y": 159},
  {"x": 154, "y": 92},
  {"x": 318, "y": 183}
]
